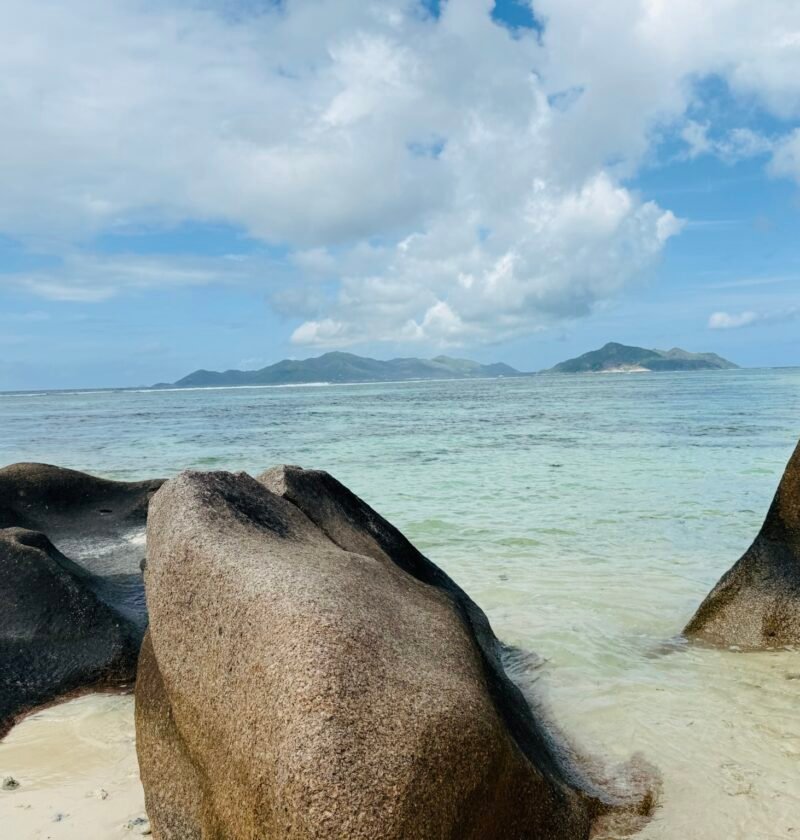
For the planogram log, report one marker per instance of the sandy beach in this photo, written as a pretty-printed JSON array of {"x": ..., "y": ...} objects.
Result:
[
  {"x": 77, "y": 772},
  {"x": 727, "y": 772}
]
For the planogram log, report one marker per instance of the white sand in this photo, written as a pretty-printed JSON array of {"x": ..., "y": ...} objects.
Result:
[{"x": 77, "y": 770}]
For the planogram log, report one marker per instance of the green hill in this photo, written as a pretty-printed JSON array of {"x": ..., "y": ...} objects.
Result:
[
  {"x": 622, "y": 357},
  {"x": 343, "y": 368}
]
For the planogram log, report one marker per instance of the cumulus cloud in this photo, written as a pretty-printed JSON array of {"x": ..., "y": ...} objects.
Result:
[
  {"x": 554, "y": 257},
  {"x": 431, "y": 179}
]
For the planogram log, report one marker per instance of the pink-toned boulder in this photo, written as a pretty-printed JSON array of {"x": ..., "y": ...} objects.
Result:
[{"x": 308, "y": 674}]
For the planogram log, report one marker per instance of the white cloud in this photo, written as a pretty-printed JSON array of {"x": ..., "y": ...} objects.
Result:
[
  {"x": 786, "y": 162},
  {"x": 85, "y": 278},
  {"x": 695, "y": 135},
  {"x": 728, "y": 321},
  {"x": 325, "y": 333},
  {"x": 750, "y": 282},
  {"x": 449, "y": 181},
  {"x": 741, "y": 143},
  {"x": 553, "y": 258},
  {"x": 734, "y": 145}
]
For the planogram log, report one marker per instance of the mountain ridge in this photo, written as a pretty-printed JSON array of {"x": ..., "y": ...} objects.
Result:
[{"x": 341, "y": 367}]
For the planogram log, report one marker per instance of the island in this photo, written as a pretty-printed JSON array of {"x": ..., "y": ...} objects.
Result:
[
  {"x": 622, "y": 358},
  {"x": 339, "y": 367}
]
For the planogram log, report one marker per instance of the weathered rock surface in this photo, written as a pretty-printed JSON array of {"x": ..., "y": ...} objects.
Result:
[
  {"x": 56, "y": 633},
  {"x": 100, "y": 524},
  {"x": 756, "y": 604},
  {"x": 97, "y": 522},
  {"x": 309, "y": 674},
  {"x": 68, "y": 623}
]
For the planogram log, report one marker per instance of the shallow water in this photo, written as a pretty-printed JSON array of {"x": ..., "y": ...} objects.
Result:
[{"x": 588, "y": 515}]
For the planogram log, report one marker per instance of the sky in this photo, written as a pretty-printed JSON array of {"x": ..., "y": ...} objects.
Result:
[{"x": 225, "y": 183}]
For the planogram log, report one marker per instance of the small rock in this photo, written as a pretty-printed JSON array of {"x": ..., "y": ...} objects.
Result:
[
  {"x": 10, "y": 783},
  {"x": 101, "y": 793},
  {"x": 139, "y": 822}
]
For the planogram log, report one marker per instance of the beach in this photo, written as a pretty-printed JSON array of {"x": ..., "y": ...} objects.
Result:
[
  {"x": 588, "y": 516},
  {"x": 77, "y": 772}
]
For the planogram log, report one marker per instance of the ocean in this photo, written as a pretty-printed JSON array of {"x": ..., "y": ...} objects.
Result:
[{"x": 587, "y": 514}]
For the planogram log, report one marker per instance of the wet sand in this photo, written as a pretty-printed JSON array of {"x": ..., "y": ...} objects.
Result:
[{"x": 722, "y": 729}]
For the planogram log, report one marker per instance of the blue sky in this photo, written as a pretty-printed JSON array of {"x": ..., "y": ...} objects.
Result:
[{"x": 496, "y": 181}]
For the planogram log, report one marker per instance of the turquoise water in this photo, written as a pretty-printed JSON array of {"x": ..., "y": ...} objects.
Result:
[{"x": 588, "y": 515}]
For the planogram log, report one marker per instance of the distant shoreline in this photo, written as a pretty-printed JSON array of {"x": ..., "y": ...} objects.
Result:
[
  {"x": 140, "y": 389},
  {"x": 143, "y": 389}
]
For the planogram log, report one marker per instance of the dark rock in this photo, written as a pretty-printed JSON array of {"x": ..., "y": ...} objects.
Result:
[
  {"x": 141, "y": 823},
  {"x": 10, "y": 783},
  {"x": 309, "y": 674},
  {"x": 57, "y": 635},
  {"x": 72, "y": 609},
  {"x": 90, "y": 519},
  {"x": 96, "y": 522},
  {"x": 756, "y": 604}
]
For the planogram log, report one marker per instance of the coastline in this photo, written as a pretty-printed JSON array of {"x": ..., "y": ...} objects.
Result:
[
  {"x": 632, "y": 369},
  {"x": 538, "y": 374},
  {"x": 548, "y": 515}
]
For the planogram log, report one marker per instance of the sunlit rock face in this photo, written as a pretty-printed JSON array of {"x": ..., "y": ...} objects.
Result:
[
  {"x": 307, "y": 673},
  {"x": 72, "y": 610},
  {"x": 756, "y": 604}
]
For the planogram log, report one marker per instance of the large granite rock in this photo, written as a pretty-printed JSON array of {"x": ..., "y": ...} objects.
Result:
[
  {"x": 72, "y": 609},
  {"x": 307, "y": 674},
  {"x": 756, "y": 604}
]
